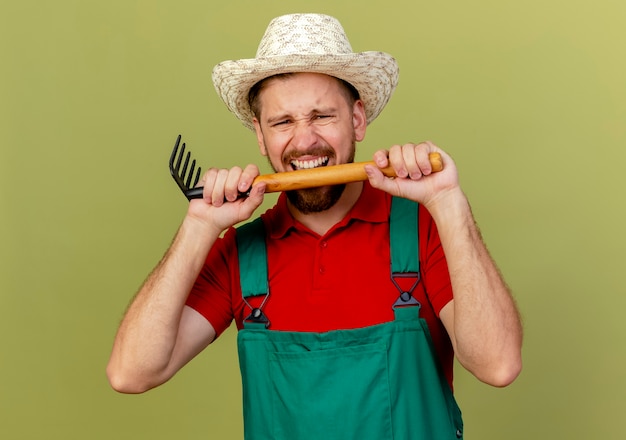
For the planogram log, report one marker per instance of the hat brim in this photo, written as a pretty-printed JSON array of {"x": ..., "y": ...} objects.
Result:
[{"x": 373, "y": 74}]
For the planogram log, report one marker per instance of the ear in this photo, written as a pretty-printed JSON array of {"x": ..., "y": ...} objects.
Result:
[
  {"x": 259, "y": 136},
  {"x": 359, "y": 120}
]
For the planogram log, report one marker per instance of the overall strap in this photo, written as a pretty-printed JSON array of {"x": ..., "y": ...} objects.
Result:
[
  {"x": 404, "y": 243},
  {"x": 252, "y": 255},
  {"x": 403, "y": 236}
]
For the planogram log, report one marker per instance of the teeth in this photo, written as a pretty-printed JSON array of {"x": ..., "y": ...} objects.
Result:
[{"x": 306, "y": 164}]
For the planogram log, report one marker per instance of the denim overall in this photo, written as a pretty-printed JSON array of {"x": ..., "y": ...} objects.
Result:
[{"x": 379, "y": 382}]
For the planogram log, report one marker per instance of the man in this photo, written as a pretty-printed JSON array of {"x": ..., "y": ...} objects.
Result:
[{"x": 331, "y": 341}]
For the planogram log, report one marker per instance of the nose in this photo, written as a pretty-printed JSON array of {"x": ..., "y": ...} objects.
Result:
[{"x": 304, "y": 136}]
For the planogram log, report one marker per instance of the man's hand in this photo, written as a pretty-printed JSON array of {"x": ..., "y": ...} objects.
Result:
[
  {"x": 221, "y": 205},
  {"x": 411, "y": 164}
]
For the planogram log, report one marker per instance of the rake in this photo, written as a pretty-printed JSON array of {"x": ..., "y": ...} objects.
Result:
[{"x": 277, "y": 182}]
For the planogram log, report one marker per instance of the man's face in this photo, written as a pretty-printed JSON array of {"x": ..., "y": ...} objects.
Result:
[{"x": 306, "y": 121}]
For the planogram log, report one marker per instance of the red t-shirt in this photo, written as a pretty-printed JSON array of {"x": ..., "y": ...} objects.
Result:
[{"x": 337, "y": 281}]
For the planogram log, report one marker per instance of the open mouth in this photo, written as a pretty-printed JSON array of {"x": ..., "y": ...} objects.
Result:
[{"x": 308, "y": 164}]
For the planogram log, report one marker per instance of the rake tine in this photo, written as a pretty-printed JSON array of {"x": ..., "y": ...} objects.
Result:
[
  {"x": 195, "y": 182},
  {"x": 173, "y": 170},
  {"x": 190, "y": 176},
  {"x": 173, "y": 157},
  {"x": 180, "y": 158},
  {"x": 184, "y": 170}
]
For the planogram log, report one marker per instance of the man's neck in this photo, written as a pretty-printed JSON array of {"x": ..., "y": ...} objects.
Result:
[{"x": 322, "y": 222}]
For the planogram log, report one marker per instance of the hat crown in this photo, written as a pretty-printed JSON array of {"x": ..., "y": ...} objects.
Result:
[
  {"x": 307, "y": 43},
  {"x": 304, "y": 34}
]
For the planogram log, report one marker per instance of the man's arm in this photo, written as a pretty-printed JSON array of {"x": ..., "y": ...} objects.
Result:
[
  {"x": 482, "y": 319},
  {"x": 159, "y": 334}
]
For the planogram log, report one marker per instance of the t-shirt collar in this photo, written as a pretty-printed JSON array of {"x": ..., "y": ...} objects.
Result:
[{"x": 372, "y": 206}]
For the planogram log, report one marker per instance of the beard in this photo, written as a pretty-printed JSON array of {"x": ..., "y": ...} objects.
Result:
[{"x": 312, "y": 200}]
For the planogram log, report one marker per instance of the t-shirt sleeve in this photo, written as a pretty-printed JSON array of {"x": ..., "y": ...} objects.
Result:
[
  {"x": 436, "y": 277},
  {"x": 212, "y": 292}
]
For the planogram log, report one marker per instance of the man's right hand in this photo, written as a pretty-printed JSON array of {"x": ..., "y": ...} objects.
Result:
[{"x": 221, "y": 205}]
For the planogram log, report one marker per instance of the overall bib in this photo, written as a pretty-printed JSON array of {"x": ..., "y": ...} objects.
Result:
[{"x": 379, "y": 382}]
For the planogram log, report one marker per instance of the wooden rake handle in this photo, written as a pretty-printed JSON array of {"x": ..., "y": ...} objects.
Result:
[{"x": 332, "y": 175}]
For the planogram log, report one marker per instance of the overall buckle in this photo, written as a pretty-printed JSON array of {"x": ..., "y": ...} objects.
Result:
[
  {"x": 257, "y": 316},
  {"x": 406, "y": 297}
]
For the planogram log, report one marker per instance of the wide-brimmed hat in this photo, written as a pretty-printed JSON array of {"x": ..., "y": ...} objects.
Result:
[{"x": 307, "y": 43}]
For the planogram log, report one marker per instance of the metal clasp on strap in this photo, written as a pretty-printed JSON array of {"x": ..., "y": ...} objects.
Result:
[
  {"x": 256, "y": 315},
  {"x": 406, "y": 297}
]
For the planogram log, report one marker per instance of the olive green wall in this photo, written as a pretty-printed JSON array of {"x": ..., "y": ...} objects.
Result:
[{"x": 529, "y": 97}]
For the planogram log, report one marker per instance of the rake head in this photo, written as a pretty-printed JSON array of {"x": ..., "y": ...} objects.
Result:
[{"x": 184, "y": 176}]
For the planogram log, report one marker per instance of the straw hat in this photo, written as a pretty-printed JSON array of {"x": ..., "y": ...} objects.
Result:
[{"x": 307, "y": 43}]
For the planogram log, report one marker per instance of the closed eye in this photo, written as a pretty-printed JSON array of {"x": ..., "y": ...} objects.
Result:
[
  {"x": 281, "y": 122},
  {"x": 323, "y": 118}
]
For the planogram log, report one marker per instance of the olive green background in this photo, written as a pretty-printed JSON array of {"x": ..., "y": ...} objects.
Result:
[{"x": 529, "y": 98}]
